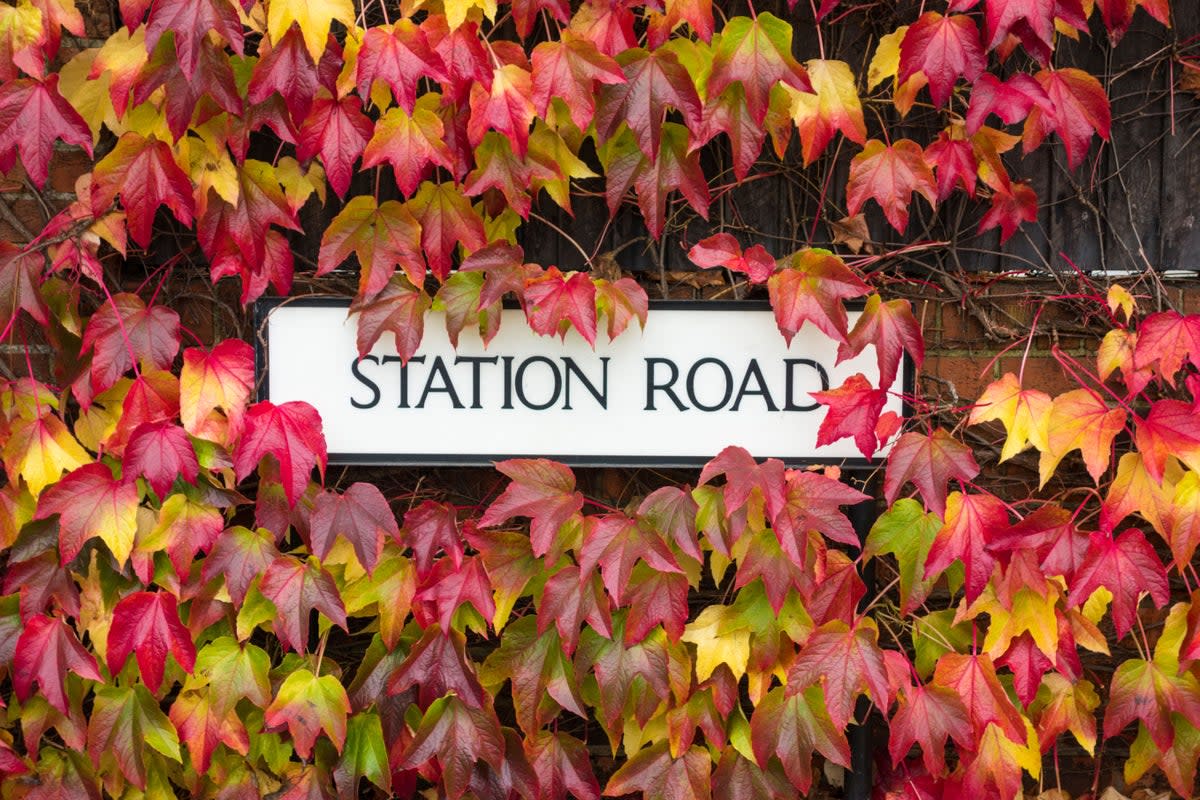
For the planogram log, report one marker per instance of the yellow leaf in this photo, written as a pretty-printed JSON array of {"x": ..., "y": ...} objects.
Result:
[
  {"x": 1019, "y": 410},
  {"x": 1119, "y": 297},
  {"x": 299, "y": 184},
  {"x": 40, "y": 451},
  {"x": 210, "y": 167},
  {"x": 834, "y": 107},
  {"x": 1030, "y": 613},
  {"x": 20, "y": 28},
  {"x": 886, "y": 61},
  {"x": 1079, "y": 420},
  {"x": 313, "y": 17},
  {"x": 457, "y": 10},
  {"x": 89, "y": 97},
  {"x": 94, "y": 426},
  {"x": 721, "y": 636}
]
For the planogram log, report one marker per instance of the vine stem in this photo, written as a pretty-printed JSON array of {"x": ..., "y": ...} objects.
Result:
[{"x": 124, "y": 333}]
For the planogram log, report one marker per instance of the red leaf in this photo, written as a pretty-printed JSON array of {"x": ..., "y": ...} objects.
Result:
[
  {"x": 338, "y": 130},
  {"x": 728, "y": 114},
  {"x": 360, "y": 515},
  {"x": 411, "y": 143},
  {"x": 889, "y": 174},
  {"x": 182, "y": 96},
  {"x": 399, "y": 56},
  {"x": 1032, "y": 21},
  {"x": 46, "y": 649},
  {"x": 431, "y": 527},
  {"x": 287, "y": 68},
  {"x": 677, "y": 166},
  {"x": 147, "y": 625},
  {"x": 891, "y": 327},
  {"x": 672, "y": 511},
  {"x": 955, "y": 164},
  {"x": 1011, "y": 100},
  {"x": 191, "y": 21},
  {"x": 448, "y": 586},
  {"x": 33, "y": 115},
  {"x": 569, "y": 69},
  {"x": 929, "y": 462},
  {"x": 260, "y": 204},
  {"x": 220, "y": 378},
  {"x": 91, "y": 503},
  {"x": 447, "y": 220},
  {"x": 972, "y": 520},
  {"x": 1125, "y": 565},
  {"x": 945, "y": 49},
  {"x": 854, "y": 409},
  {"x": 438, "y": 664},
  {"x": 563, "y": 765},
  {"x": 555, "y": 302},
  {"x": 398, "y": 309},
  {"x": 1080, "y": 108},
  {"x": 656, "y": 597},
  {"x": 296, "y": 588},
  {"x": 41, "y": 582},
  {"x": 654, "y": 81},
  {"x": 20, "y": 278},
  {"x": 123, "y": 330},
  {"x": 722, "y": 250},
  {"x": 505, "y": 108},
  {"x": 758, "y": 54},
  {"x": 1167, "y": 339},
  {"x": 1144, "y": 690},
  {"x": 616, "y": 543},
  {"x": 792, "y": 727},
  {"x": 1168, "y": 430},
  {"x": 847, "y": 661},
  {"x": 567, "y": 601},
  {"x": 144, "y": 173},
  {"x": 621, "y": 301},
  {"x": 239, "y": 556},
  {"x": 928, "y": 715},
  {"x": 292, "y": 433},
  {"x": 1010, "y": 209},
  {"x": 159, "y": 452},
  {"x": 811, "y": 289},
  {"x": 743, "y": 475},
  {"x": 974, "y": 679},
  {"x": 542, "y": 490}
]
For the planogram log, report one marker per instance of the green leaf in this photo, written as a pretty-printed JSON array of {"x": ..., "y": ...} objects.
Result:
[
  {"x": 906, "y": 531},
  {"x": 365, "y": 755},
  {"x": 308, "y": 705}
]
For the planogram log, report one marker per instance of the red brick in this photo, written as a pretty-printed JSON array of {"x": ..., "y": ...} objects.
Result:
[
  {"x": 66, "y": 167},
  {"x": 959, "y": 326},
  {"x": 1041, "y": 372},
  {"x": 963, "y": 375}
]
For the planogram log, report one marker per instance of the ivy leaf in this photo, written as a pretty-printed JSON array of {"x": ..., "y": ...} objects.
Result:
[
  {"x": 399, "y": 309},
  {"x": 90, "y": 503},
  {"x": 846, "y": 661},
  {"x": 727, "y": 113},
  {"x": 972, "y": 520},
  {"x": 653, "y": 81},
  {"x": 1166, "y": 340},
  {"x": 929, "y": 715},
  {"x": 1143, "y": 690},
  {"x": 628, "y": 676},
  {"x": 20, "y": 277},
  {"x": 810, "y": 288},
  {"x": 929, "y": 462},
  {"x": 123, "y": 722},
  {"x": 974, "y": 679},
  {"x": 1068, "y": 706},
  {"x": 144, "y": 173},
  {"x": 40, "y": 450},
  {"x": 568, "y": 600},
  {"x": 955, "y": 163},
  {"x": 510, "y": 566},
  {"x": 1031, "y": 21},
  {"x": 202, "y": 728},
  {"x": 450, "y": 585},
  {"x": 945, "y": 49},
  {"x": 540, "y": 489},
  {"x": 1011, "y": 100},
  {"x": 1126, "y": 565},
  {"x": 438, "y": 664},
  {"x": 181, "y": 96},
  {"x": 191, "y": 22},
  {"x": 260, "y": 204},
  {"x": 147, "y": 625},
  {"x": 313, "y": 19},
  {"x": 889, "y": 175},
  {"x": 659, "y": 776},
  {"x": 621, "y": 301},
  {"x": 672, "y": 511},
  {"x": 677, "y": 166},
  {"x": 295, "y": 588},
  {"x": 46, "y": 649},
  {"x": 543, "y": 677},
  {"x": 891, "y": 327},
  {"x": 291, "y": 432},
  {"x": 831, "y": 106},
  {"x": 563, "y": 765},
  {"x": 398, "y": 55},
  {"x": 1079, "y": 419},
  {"x": 1080, "y": 109},
  {"x": 33, "y": 115},
  {"x": 411, "y": 144},
  {"x": 556, "y": 302},
  {"x": 360, "y": 515},
  {"x": 811, "y": 503},
  {"x": 233, "y": 671},
  {"x": 239, "y": 556},
  {"x": 41, "y": 582},
  {"x": 338, "y": 130},
  {"x": 308, "y": 705},
  {"x": 757, "y": 53},
  {"x": 656, "y": 597},
  {"x": 184, "y": 527},
  {"x": 212, "y": 380},
  {"x": 365, "y": 755},
  {"x": 1166, "y": 432},
  {"x": 792, "y": 727},
  {"x": 569, "y": 69},
  {"x": 505, "y": 107},
  {"x": 616, "y": 543},
  {"x": 459, "y": 735},
  {"x": 854, "y": 409},
  {"x": 722, "y": 250},
  {"x": 381, "y": 236},
  {"x": 907, "y": 532},
  {"x": 447, "y": 220},
  {"x": 289, "y": 69},
  {"x": 1010, "y": 207},
  {"x": 159, "y": 452},
  {"x": 739, "y": 778},
  {"x": 124, "y": 330}
]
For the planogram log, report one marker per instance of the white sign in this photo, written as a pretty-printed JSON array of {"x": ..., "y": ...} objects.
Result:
[{"x": 700, "y": 377}]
